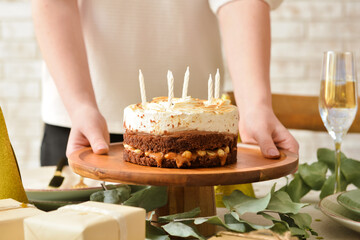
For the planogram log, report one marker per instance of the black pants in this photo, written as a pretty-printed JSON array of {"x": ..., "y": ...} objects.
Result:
[{"x": 53, "y": 146}]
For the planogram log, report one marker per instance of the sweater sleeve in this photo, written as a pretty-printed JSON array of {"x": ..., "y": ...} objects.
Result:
[{"x": 216, "y": 4}]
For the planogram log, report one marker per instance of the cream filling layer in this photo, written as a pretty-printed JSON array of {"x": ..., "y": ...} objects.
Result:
[
  {"x": 184, "y": 157},
  {"x": 156, "y": 117}
]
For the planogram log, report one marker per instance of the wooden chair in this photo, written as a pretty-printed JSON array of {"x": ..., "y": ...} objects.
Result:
[{"x": 300, "y": 112}]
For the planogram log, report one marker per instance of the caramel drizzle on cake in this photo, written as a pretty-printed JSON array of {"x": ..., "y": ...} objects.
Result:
[{"x": 185, "y": 157}]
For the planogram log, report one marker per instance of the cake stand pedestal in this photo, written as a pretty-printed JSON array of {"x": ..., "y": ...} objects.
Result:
[{"x": 187, "y": 188}]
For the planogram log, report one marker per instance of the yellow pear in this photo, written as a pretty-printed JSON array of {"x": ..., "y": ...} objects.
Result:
[{"x": 10, "y": 180}]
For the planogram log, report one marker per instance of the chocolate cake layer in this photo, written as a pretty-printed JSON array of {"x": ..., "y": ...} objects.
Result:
[
  {"x": 199, "y": 162},
  {"x": 180, "y": 141}
]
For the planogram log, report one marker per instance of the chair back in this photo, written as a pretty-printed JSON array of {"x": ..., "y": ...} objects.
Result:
[{"x": 300, "y": 112}]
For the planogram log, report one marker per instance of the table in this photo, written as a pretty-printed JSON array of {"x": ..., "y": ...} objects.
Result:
[
  {"x": 327, "y": 228},
  {"x": 322, "y": 224},
  {"x": 187, "y": 188}
]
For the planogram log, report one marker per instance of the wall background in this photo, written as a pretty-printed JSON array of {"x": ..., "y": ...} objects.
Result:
[{"x": 301, "y": 31}]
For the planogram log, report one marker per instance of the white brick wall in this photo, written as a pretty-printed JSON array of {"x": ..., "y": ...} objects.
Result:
[
  {"x": 309, "y": 10},
  {"x": 20, "y": 72},
  {"x": 15, "y": 9},
  {"x": 22, "y": 69},
  {"x": 17, "y": 30},
  {"x": 301, "y": 31},
  {"x": 314, "y": 26}
]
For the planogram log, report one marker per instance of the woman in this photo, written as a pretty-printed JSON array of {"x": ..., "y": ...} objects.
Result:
[{"x": 93, "y": 50}]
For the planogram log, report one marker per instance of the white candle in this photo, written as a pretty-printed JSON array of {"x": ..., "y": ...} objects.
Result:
[
  {"x": 142, "y": 87},
  {"x": 217, "y": 84},
  {"x": 210, "y": 90},
  {"x": 186, "y": 83},
  {"x": 170, "y": 79}
]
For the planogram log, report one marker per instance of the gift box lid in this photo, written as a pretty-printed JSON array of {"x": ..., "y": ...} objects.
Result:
[
  {"x": 89, "y": 220},
  {"x": 11, "y": 209}
]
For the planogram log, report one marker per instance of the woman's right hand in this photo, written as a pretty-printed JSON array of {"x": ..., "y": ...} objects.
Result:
[
  {"x": 60, "y": 36},
  {"x": 89, "y": 128}
]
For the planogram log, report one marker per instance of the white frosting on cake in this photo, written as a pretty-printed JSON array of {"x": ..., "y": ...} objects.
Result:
[{"x": 156, "y": 117}]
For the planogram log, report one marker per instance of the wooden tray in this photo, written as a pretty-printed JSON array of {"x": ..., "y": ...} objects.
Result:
[{"x": 251, "y": 166}]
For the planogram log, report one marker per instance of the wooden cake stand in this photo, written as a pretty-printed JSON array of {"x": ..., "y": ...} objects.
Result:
[{"x": 187, "y": 188}]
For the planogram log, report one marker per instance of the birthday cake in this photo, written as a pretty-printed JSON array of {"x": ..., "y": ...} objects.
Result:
[{"x": 181, "y": 132}]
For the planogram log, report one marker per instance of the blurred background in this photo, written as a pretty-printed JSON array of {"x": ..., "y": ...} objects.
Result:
[{"x": 301, "y": 31}]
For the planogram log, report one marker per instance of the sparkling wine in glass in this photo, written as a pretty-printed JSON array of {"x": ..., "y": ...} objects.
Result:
[{"x": 338, "y": 100}]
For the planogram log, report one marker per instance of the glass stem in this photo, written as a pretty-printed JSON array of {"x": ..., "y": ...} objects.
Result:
[{"x": 337, "y": 167}]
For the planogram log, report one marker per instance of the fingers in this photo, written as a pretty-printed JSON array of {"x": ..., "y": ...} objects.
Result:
[
  {"x": 293, "y": 145},
  {"x": 97, "y": 137},
  {"x": 98, "y": 143},
  {"x": 267, "y": 146},
  {"x": 263, "y": 128},
  {"x": 76, "y": 142},
  {"x": 289, "y": 143}
]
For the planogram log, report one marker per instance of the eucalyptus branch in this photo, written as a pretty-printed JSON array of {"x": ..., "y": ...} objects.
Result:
[{"x": 316, "y": 176}]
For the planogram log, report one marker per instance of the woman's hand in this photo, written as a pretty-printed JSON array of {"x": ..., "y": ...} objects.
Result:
[
  {"x": 261, "y": 126},
  {"x": 89, "y": 128},
  {"x": 245, "y": 32},
  {"x": 60, "y": 37}
]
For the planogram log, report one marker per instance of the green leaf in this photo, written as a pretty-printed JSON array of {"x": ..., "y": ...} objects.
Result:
[
  {"x": 293, "y": 227},
  {"x": 296, "y": 223},
  {"x": 282, "y": 203},
  {"x": 350, "y": 168},
  {"x": 327, "y": 156},
  {"x": 329, "y": 186},
  {"x": 97, "y": 196},
  {"x": 285, "y": 217},
  {"x": 123, "y": 192},
  {"x": 136, "y": 188},
  {"x": 302, "y": 220},
  {"x": 233, "y": 224},
  {"x": 215, "y": 220},
  {"x": 239, "y": 202},
  {"x": 190, "y": 214},
  {"x": 149, "y": 198},
  {"x": 314, "y": 175},
  {"x": 111, "y": 196},
  {"x": 356, "y": 182},
  {"x": 298, "y": 232},
  {"x": 268, "y": 216},
  {"x": 297, "y": 188},
  {"x": 114, "y": 196},
  {"x": 155, "y": 233},
  {"x": 249, "y": 226},
  {"x": 280, "y": 227},
  {"x": 179, "y": 229}
]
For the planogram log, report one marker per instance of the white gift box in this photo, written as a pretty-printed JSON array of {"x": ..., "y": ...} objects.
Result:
[
  {"x": 12, "y": 215},
  {"x": 88, "y": 221}
]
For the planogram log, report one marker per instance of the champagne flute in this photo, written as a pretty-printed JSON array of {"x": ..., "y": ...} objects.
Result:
[{"x": 338, "y": 100}]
